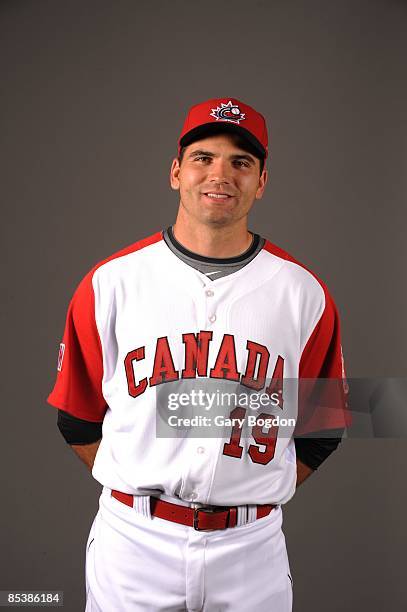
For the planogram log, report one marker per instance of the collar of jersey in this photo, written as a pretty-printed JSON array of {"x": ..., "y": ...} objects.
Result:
[{"x": 213, "y": 260}]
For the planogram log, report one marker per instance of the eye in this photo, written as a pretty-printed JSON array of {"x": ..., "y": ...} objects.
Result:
[
  {"x": 240, "y": 163},
  {"x": 203, "y": 158}
]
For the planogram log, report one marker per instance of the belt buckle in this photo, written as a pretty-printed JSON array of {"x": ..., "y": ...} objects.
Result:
[{"x": 208, "y": 511}]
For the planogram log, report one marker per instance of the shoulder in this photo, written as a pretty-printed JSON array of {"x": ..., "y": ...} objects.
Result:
[
  {"x": 299, "y": 274},
  {"x": 109, "y": 265},
  {"x": 310, "y": 295},
  {"x": 141, "y": 247}
]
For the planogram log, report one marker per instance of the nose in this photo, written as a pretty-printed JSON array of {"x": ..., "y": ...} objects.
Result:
[{"x": 219, "y": 171}]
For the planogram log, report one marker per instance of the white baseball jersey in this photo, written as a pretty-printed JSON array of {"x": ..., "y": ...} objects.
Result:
[{"x": 144, "y": 320}]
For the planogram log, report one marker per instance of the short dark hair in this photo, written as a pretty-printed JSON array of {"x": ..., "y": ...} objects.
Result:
[{"x": 239, "y": 141}]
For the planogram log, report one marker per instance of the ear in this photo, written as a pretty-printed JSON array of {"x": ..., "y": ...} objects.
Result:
[
  {"x": 262, "y": 184},
  {"x": 174, "y": 174}
]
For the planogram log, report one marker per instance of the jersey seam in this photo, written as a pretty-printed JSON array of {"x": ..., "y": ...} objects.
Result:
[
  {"x": 116, "y": 256},
  {"x": 316, "y": 324}
]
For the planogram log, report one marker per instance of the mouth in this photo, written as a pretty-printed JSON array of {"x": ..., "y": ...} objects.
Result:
[{"x": 217, "y": 196}]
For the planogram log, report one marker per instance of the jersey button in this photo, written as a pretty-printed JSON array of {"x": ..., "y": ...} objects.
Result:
[
  {"x": 212, "y": 318},
  {"x": 200, "y": 450},
  {"x": 193, "y": 495},
  {"x": 209, "y": 293}
]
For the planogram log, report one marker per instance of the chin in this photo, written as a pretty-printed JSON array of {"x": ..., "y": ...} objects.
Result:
[{"x": 218, "y": 221}]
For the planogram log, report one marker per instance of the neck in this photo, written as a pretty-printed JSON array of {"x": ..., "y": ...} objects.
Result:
[{"x": 219, "y": 242}]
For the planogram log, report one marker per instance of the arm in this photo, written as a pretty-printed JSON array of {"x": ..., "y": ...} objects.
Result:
[
  {"x": 303, "y": 472},
  {"x": 311, "y": 452},
  {"x": 86, "y": 452},
  {"x": 77, "y": 393},
  {"x": 83, "y": 436}
]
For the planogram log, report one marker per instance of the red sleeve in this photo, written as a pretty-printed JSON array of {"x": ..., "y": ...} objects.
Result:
[
  {"x": 322, "y": 386},
  {"x": 78, "y": 386}
]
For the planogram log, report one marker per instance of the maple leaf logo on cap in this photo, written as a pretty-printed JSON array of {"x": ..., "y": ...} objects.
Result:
[{"x": 228, "y": 112}]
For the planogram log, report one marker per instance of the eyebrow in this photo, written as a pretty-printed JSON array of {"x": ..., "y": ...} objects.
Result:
[{"x": 245, "y": 156}]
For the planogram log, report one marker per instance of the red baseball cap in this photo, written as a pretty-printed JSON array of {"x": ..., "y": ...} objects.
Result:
[{"x": 210, "y": 117}]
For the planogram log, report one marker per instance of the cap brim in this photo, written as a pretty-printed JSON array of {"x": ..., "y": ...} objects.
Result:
[{"x": 209, "y": 129}]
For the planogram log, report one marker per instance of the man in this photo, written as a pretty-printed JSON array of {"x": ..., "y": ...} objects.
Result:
[{"x": 187, "y": 521}]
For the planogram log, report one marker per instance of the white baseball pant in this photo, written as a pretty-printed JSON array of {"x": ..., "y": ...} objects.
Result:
[{"x": 135, "y": 563}]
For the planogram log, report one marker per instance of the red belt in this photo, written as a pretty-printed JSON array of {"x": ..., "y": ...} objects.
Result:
[{"x": 201, "y": 519}]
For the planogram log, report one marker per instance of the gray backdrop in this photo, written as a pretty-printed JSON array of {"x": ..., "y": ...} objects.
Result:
[{"x": 93, "y": 95}]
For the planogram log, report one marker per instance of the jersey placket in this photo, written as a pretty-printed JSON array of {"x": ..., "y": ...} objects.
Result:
[{"x": 202, "y": 453}]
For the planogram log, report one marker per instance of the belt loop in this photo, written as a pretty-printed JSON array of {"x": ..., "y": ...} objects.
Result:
[
  {"x": 246, "y": 514},
  {"x": 241, "y": 515},
  {"x": 251, "y": 513},
  {"x": 142, "y": 505}
]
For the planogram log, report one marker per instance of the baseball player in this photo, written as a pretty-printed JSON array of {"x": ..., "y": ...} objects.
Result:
[{"x": 190, "y": 519}]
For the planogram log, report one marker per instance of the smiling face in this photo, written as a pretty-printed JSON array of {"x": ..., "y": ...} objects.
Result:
[{"x": 218, "y": 182}]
